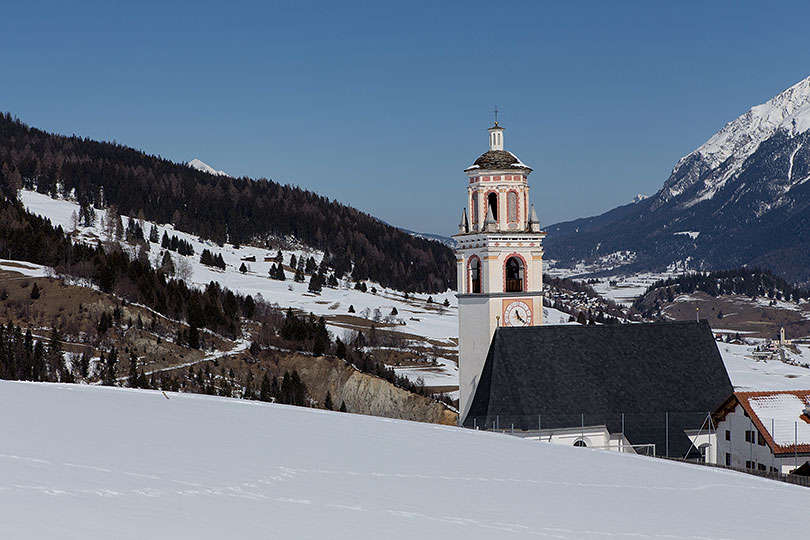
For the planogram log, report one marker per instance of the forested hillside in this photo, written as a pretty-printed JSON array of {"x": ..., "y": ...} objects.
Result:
[
  {"x": 751, "y": 282},
  {"x": 219, "y": 208}
]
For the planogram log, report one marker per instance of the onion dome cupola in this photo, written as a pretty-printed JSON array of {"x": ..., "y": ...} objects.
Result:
[{"x": 496, "y": 158}]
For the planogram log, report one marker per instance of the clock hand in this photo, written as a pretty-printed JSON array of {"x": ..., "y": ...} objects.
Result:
[{"x": 519, "y": 317}]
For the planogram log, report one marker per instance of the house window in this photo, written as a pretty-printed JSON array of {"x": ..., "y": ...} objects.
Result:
[
  {"x": 511, "y": 207},
  {"x": 475, "y": 275},
  {"x": 760, "y": 439},
  {"x": 728, "y": 435},
  {"x": 514, "y": 274},
  {"x": 774, "y": 469},
  {"x": 750, "y": 465},
  {"x": 492, "y": 201},
  {"x": 761, "y": 467},
  {"x": 728, "y": 458},
  {"x": 750, "y": 436}
]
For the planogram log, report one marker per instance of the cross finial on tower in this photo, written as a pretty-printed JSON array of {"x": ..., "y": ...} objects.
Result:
[{"x": 496, "y": 115}]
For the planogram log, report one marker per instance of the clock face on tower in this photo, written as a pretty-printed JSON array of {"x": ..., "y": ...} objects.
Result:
[{"x": 517, "y": 313}]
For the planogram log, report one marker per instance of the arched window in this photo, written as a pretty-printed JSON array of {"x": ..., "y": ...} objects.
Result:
[
  {"x": 492, "y": 200},
  {"x": 514, "y": 275},
  {"x": 511, "y": 207},
  {"x": 475, "y": 275},
  {"x": 474, "y": 209},
  {"x": 580, "y": 442}
]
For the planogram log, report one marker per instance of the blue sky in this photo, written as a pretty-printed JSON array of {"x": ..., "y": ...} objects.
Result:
[{"x": 382, "y": 105}]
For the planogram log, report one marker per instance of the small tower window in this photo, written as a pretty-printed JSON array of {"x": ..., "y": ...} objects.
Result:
[
  {"x": 580, "y": 443},
  {"x": 474, "y": 209},
  {"x": 475, "y": 275},
  {"x": 514, "y": 275},
  {"x": 492, "y": 200},
  {"x": 511, "y": 207}
]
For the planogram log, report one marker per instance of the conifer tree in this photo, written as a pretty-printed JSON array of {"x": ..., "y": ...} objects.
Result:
[
  {"x": 340, "y": 349},
  {"x": 315, "y": 283},
  {"x": 35, "y": 292},
  {"x": 132, "y": 379},
  {"x": 265, "y": 392},
  {"x": 327, "y": 403},
  {"x": 343, "y": 406},
  {"x": 243, "y": 268}
]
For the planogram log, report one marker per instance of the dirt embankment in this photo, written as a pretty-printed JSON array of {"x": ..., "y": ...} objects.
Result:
[{"x": 363, "y": 393}]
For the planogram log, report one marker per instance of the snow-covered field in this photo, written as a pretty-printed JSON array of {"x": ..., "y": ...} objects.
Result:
[
  {"x": 79, "y": 462},
  {"x": 748, "y": 374},
  {"x": 414, "y": 316}
]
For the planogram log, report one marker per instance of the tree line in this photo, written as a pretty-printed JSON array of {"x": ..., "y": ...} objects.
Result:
[
  {"x": 218, "y": 208},
  {"x": 751, "y": 282}
]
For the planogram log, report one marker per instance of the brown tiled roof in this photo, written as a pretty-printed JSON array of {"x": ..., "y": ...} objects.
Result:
[
  {"x": 498, "y": 160},
  {"x": 743, "y": 398}
]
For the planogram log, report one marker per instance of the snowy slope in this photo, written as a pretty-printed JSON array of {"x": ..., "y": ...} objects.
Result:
[
  {"x": 414, "y": 316},
  {"x": 80, "y": 462},
  {"x": 205, "y": 167}
]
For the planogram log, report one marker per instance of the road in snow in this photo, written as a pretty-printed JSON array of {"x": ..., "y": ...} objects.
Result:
[{"x": 81, "y": 462}]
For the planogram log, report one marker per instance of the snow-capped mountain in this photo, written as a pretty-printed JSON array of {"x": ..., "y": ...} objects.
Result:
[
  {"x": 702, "y": 173},
  {"x": 205, "y": 167},
  {"x": 744, "y": 191}
]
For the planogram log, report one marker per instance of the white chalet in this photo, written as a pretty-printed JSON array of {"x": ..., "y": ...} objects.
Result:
[{"x": 764, "y": 431}]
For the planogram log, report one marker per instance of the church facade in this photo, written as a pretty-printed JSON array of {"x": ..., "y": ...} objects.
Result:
[{"x": 499, "y": 259}]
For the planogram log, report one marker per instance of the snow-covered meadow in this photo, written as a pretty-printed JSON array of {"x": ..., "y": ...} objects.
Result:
[
  {"x": 415, "y": 316},
  {"x": 81, "y": 462}
]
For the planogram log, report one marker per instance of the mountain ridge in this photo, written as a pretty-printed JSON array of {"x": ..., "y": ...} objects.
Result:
[{"x": 745, "y": 192}]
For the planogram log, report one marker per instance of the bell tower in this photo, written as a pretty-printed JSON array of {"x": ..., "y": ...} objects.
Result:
[{"x": 499, "y": 259}]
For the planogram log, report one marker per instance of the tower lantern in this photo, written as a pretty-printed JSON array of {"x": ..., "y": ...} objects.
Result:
[{"x": 499, "y": 258}]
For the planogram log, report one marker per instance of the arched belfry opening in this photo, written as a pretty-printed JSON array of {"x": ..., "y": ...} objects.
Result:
[
  {"x": 514, "y": 274},
  {"x": 475, "y": 275},
  {"x": 492, "y": 201}
]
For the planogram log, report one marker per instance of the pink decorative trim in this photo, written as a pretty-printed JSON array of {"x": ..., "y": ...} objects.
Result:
[{"x": 517, "y": 206}]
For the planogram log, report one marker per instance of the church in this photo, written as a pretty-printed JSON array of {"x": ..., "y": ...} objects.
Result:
[{"x": 662, "y": 378}]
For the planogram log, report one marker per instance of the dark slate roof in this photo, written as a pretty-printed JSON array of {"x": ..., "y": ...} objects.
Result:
[
  {"x": 498, "y": 160},
  {"x": 602, "y": 371}
]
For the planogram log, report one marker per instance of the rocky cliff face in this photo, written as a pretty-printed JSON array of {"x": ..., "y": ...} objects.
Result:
[
  {"x": 740, "y": 198},
  {"x": 364, "y": 393}
]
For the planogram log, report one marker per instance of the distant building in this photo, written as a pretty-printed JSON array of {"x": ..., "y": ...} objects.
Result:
[
  {"x": 764, "y": 431},
  {"x": 603, "y": 386}
]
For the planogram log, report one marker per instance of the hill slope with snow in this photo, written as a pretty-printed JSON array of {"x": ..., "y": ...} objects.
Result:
[{"x": 96, "y": 462}]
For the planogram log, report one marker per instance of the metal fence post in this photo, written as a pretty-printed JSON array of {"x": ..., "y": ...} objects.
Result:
[
  {"x": 622, "y": 441},
  {"x": 667, "y": 434},
  {"x": 796, "y": 444}
]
